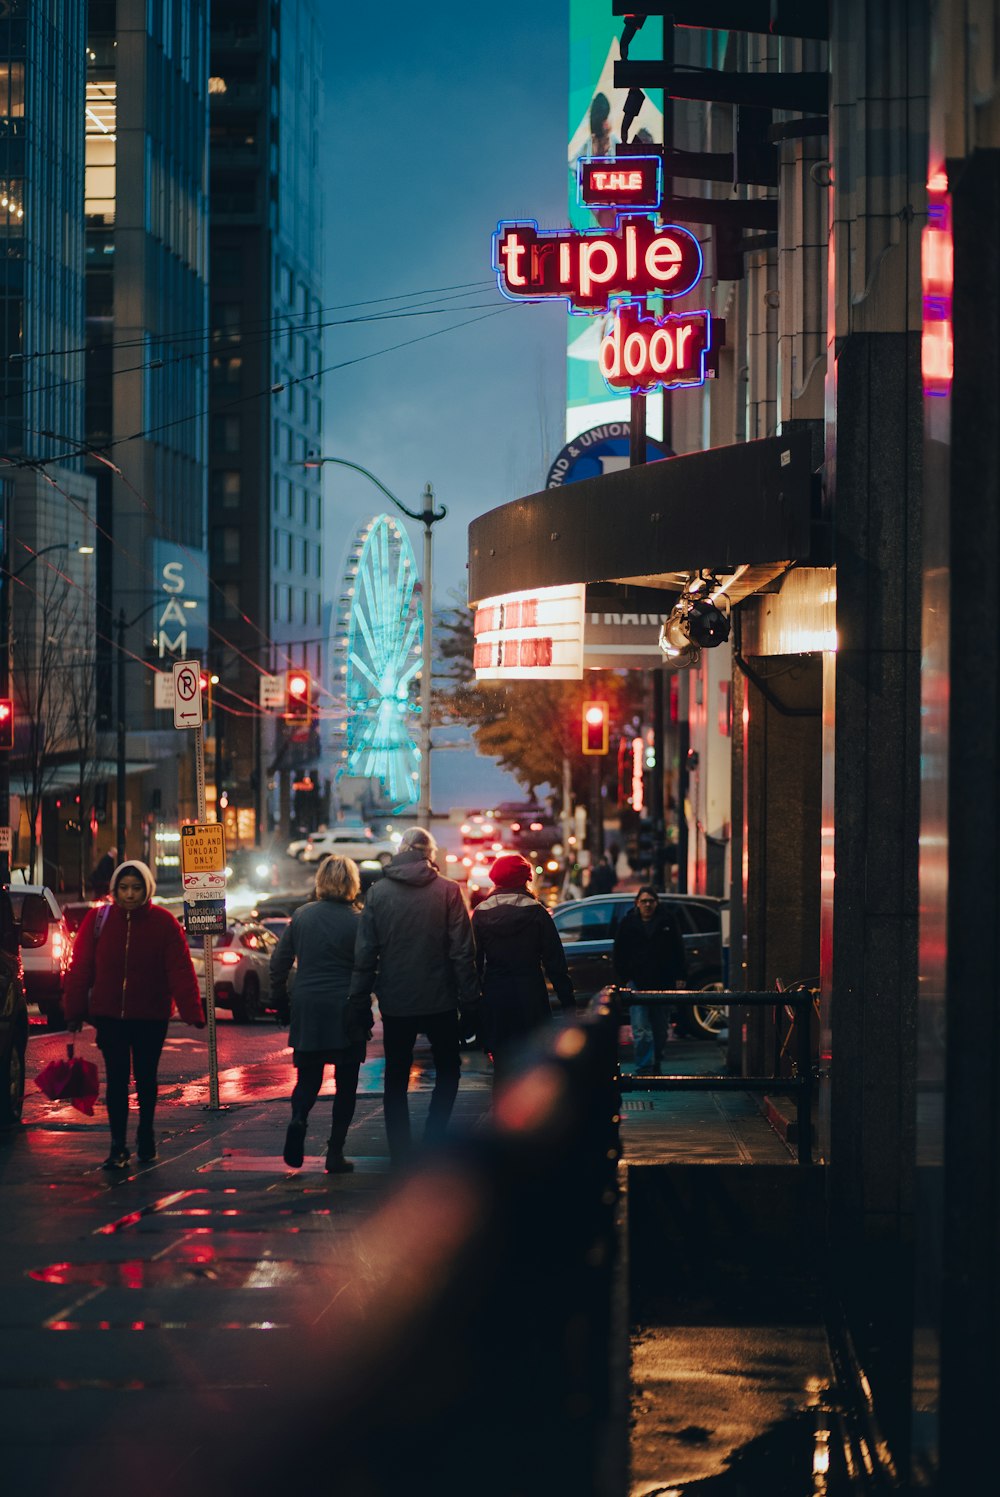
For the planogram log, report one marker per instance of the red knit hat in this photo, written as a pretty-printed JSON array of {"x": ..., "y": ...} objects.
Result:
[{"x": 511, "y": 871}]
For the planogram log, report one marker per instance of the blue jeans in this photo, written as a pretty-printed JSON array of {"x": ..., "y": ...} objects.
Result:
[{"x": 650, "y": 1029}]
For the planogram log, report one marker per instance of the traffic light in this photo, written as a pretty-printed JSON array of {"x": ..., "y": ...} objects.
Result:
[
  {"x": 595, "y": 727},
  {"x": 298, "y": 696},
  {"x": 6, "y": 723},
  {"x": 206, "y": 695}
]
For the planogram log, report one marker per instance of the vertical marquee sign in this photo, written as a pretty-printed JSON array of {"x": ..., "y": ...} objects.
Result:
[{"x": 616, "y": 270}]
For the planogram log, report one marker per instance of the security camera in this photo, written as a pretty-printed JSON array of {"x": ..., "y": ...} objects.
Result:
[{"x": 695, "y": 622}]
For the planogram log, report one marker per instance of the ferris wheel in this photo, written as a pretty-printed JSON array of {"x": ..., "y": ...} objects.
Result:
[{"x": 380, "y": 638}]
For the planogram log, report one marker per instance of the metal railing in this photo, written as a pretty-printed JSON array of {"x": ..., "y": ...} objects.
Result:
[{"x": 799, "y": 1086}]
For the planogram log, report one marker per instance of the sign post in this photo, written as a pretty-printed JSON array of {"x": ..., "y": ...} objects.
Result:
[{"x": 203, "y": 859}]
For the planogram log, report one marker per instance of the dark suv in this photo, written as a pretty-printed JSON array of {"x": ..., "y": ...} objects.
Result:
[
  {"x": 587, "y": 930},
  {"x": 13, "y": 1006}
]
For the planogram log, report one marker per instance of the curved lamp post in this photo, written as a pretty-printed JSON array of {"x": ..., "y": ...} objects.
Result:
[
  {"x": 6, "y": 641},
  {"x": 428, "y": 517}
]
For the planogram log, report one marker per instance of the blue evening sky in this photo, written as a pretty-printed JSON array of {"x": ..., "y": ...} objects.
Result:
[{"x": 441, "y": 118}]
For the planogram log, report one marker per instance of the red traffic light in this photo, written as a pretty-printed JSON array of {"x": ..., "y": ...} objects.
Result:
[
  {"x": 6, "y": 723},
  {"x": 596, "y": 727},
  {"x": 205, "y": 682},
  {"x": 298, "y": 695}
]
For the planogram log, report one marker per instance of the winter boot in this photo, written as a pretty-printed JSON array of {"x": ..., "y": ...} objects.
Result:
[
  {"x": 145, "y": 1144},
  {"x": 295, "y": 1139},
  {"x": 118, "y": 1159}
]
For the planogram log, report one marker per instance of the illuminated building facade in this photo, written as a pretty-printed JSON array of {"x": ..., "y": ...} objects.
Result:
[{"x": 266, "y": 521}]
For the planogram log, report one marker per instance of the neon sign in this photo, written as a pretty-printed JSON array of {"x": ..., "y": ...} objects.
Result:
[
  {"x": 607, "y": 182},
  {"x": 636, "y": 259},
  {"x": 645, "y": 353},
  {"x": 937, "y": 274}
]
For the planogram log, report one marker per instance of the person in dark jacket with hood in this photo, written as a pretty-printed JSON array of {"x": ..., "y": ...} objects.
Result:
[
  {"x": 131, "y": 965},
  {"x": 320, "y": 940},
  {"x": 415, "y": 953},
  {"x": 517, "y": 946},
  {"x": 649, "y": 955}
]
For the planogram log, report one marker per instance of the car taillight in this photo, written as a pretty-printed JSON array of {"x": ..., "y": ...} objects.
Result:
[
  {"x": 228, "y": 958},
  {"x": 58, "y": 945}
]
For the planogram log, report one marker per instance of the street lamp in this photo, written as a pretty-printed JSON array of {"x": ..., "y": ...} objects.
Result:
[
  {"x": 427, "y": 517},
  {"x": 6, "y": 642}
]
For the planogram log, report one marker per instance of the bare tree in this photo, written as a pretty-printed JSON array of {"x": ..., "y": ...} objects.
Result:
[{"x": 52, "y": 674}]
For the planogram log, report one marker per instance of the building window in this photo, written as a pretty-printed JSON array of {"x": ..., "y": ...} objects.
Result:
[
  {"x": 231, "y": 599},
  {"x": 226, "y": 433},
  {"x": 101, "y": 123},
  {"x": 11, "y": 90},
  {"x": 227, "y": 370},
  {"x": 226, "y": 488},
  {"x": 226, "y": 546}
]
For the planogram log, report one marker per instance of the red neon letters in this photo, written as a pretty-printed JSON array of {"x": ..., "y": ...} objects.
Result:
[
  {"x": 645, "y": 353},
  {"x": 635, "y": 181},
  {"x": 636, "y": 259}
]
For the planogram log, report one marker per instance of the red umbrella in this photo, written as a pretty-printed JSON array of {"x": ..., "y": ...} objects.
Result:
[{"x": 72, "y": 1080}]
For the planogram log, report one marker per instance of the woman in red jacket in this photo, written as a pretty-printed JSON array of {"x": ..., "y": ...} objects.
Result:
[{"x": 131, "y": 964}]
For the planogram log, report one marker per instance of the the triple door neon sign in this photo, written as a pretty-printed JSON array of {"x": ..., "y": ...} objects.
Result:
[{"x": 636, "y": 259}]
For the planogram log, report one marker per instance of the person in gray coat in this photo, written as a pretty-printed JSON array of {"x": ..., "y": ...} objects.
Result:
[
  {"x": 415, "y": 953},
  {"x": 320, "y": 938}
]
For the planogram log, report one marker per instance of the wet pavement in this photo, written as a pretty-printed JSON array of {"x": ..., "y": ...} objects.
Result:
[{"x": 127, "y": 1301}]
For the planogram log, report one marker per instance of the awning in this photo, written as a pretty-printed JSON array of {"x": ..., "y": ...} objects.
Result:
[
  {"x": 730, "y": 508},
  {"x": 60, "y": 777}
]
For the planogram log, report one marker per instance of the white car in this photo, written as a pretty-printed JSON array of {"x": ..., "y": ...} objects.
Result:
[
  {"x": 241, "y": 961},
  {"x": 350, "y": 842},
  {"x": 46, "y": 956}
]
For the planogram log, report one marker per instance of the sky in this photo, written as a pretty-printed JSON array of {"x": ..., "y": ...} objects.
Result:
[{"x": 440, "y": 120}]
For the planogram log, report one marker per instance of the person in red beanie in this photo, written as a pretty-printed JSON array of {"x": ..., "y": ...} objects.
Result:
[
  {"x": 131, "y": 964},
  {"x": 517, "y": 947}
]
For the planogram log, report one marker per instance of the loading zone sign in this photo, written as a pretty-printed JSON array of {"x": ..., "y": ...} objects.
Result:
[
  {"x": 206, "y": 917},
  {"x": 203, "y": 848}
]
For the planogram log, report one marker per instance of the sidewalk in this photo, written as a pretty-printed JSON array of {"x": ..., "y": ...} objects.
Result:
[{"x": 132, "y": 1304}]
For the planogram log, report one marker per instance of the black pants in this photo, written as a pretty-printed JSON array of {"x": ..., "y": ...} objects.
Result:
[
  {"x": 130, "y": 1046},
  {"x": 309, "y": 1079},
  {"x": 399, "y": 1037}
]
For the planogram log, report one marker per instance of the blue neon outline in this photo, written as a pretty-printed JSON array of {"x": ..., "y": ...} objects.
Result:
[
  {"x": 620, "y": 163},
  {"x": 685, "y": 384},
  {"x": 622, "y": 298}
]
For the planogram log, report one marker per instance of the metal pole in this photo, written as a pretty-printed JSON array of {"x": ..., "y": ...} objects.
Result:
[
  {"x": 120, "y": 774},
  {"x": 428, "y": 517},
  {"x": 213, "y": 1042}
]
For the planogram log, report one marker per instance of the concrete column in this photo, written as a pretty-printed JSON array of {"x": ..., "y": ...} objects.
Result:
[{"x": 874, "y": 452}]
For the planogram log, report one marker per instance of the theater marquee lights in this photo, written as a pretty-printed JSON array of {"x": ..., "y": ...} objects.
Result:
[
  {"x": 606, "y": 182},
  {"x": 636, "y": 259},
  {"x": 530, "y": 636}
]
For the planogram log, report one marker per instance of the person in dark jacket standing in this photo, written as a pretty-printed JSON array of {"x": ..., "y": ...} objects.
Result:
[
  {"x": 131, "y": 964},
  {"x": 649, "y": 954},
  {"x": 517, "y": 946},
  {"x": 415, "y": 953},
  {"x": 320, "y": 939}
]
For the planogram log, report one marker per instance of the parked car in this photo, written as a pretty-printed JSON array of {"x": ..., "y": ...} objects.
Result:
[
  {"x": 349, "y": 842},
  {"x": 587, "y": 930},
  {"x": 45, "y": 953},
  {"x": 75, "y": 913},
  {"x": 13, "y": 1008},
  {"x": 241, "y": 957}
]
